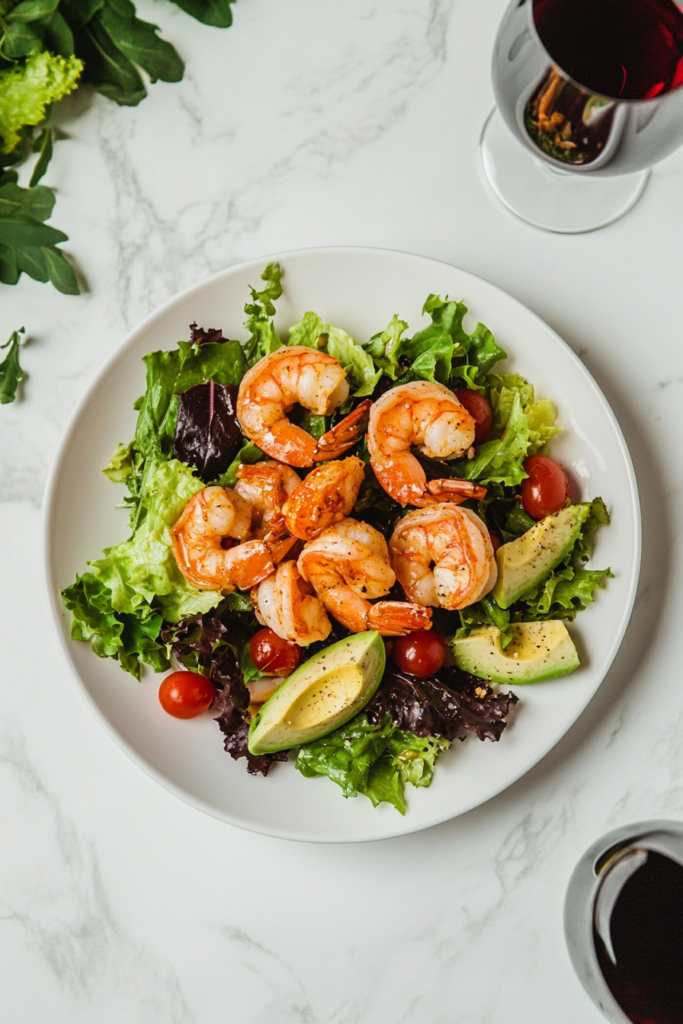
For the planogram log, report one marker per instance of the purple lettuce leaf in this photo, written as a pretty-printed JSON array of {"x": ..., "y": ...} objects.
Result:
[
  {"x": 451, "y": 703},
  {"x": 208, "y": 435},
  {"x": 200, "y": 336},
  {"x": 204, "y": 643}
]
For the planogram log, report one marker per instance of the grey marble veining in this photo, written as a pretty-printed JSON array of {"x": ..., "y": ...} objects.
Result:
[{"x": 305, "y": 124}]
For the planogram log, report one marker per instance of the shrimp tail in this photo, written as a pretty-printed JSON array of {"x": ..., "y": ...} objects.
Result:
[
  {"x": 456, "y": 490},
  {"x": 342, "y": 436},
  {"x": 398, "y": 618}
]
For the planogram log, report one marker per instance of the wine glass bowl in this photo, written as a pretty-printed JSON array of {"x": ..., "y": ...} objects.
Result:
[
  {"x": 622, "y": 920},
  {"x": 624, "y": 112}
]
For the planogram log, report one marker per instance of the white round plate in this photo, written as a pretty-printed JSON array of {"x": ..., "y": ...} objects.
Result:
[{"x": 360, "y": 290}]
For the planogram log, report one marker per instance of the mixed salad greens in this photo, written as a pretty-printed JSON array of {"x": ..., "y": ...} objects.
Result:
[{"x": 134, "y": 604}]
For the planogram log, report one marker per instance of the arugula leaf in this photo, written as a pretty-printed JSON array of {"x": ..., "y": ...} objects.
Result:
[
  {"x": 210, "y": 12},
  {"x": 260, "y": 312},
  {"x": 11, "y": 373}
]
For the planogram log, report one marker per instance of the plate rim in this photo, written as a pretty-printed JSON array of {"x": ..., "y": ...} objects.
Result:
[{"x": 403, "y": 826}]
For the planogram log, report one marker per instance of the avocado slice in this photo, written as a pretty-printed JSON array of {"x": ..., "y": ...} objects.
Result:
[
  {"x": 537, "y": 651},
  {"x": 322, "y": 694},
  {"x": 525, "y": 562}
]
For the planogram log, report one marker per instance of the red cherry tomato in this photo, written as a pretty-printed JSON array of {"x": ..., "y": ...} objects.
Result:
[
  {"x": 420, "y": 653},
  {"x": 546, "y": 488},
  {"x": 273, "y": 655},
  {"x": 496, "y": 539},
  {"x": 479, "y": 409},
  {"x": 186, "y": 694}
]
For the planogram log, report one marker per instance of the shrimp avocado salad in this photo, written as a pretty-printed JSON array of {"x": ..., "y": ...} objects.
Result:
[{"x": 339, "y": 546}]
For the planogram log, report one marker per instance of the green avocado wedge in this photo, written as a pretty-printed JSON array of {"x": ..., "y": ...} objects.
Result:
[
  {"x": 525, "y": 562},
  {"x": 538, "y": 651},
  {"x": 322, "y": 694}
]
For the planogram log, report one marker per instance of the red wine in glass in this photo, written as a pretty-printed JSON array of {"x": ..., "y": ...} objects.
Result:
[
  {"x": 591, "y": 88},
  {"x": 626, "y": 49},
  {"x": 641, "y": 956},
  {"x": 624, "y": 923}
]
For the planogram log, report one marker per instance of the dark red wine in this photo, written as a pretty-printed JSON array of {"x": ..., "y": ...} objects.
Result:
[
  {"x": 628, "y": 49},
  {"x": 646, "y": 930}
]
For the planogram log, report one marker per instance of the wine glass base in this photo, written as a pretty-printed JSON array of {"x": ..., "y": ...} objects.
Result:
[{"x": 551, "y": 199}]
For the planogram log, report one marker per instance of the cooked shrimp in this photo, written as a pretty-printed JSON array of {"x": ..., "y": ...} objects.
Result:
[
  {"x": 429, "y": 417},
  {"x": 286, "y": 602},
  {"x": 291, "y": 375},
  {"x": 208, "y": 518},
  {"x": 327, "y": 495},
  {"x": 443, "y": 556},
  {"x": 265, "y": 487},
  {"x": 348, "y": 565}
]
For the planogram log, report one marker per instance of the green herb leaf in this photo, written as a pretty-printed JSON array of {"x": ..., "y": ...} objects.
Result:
[
  {"x": 11, "y": 373},
  {"x": 43, "y": 146},
  {"x": 139, "y": 41},
  {"x": 27, "y": 245},
  {"x": 210, "y": 12},
  {"x": 260, "y": 312},
  {"x": 32, "y": 10}
]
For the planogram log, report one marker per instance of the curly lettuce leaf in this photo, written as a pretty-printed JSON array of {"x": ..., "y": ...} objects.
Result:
[
  {"x": 128, "y": 638},
  {"x": 27, "y": 90},
  {"x": 143, "y": 570},
  {"x": 385, "y": 348},
  {"x": 443, "y": 351},
  {"x": 260, "y": 311},
  {"x": 360, "y": 369},
  {"x": 375, "y": 760},
  {"x": 540, "y": 415},
  {"x": 121, "y": 465},
  {"x": 502, "y": 459}
]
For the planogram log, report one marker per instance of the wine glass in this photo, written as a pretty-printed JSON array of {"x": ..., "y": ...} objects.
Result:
[
  {"x": 622, "y": 920},
  {"x": 591, "y": 90}
]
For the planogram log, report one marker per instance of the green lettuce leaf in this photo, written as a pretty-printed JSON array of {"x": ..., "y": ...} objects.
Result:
[
  {"x": 501, "y": 460},
  {"x": 143, "y": 570},
  {"x": 566, "y": 591},
  {"x": 121, "y": 465},
  {"x": 375, "y": 760},
  {"x": 28, "y": 89},
  {"x": 169, "y": 374},
  {"x": 260, "y": 312},
  {"x": 128, "y": 638},
  {"x": 443, "y": 351},
  {"x": 540, "y": 415},
  {"x": 360, "y": 369}
]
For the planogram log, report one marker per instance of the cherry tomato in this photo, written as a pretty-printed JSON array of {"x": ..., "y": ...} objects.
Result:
[
  {"x": 546, "y": 488},
  {"x": 420, "y": 653},
  {"x": 186, "y": 694},
  {"x": 273, "y": 655},
  {"x": 496, "y": 539},
  {"x": 479, "y": 409}
]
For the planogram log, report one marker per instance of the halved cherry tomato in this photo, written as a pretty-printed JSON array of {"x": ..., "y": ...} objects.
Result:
[
  {"x": 186, "y": 694},
  {"x": 479, "y": 409},
  {"x": 420, "y": 653},
  {"x": 496, "y": 539},
  {"x": 273, "y": 655},
  {"x": 546, "y": 488}
]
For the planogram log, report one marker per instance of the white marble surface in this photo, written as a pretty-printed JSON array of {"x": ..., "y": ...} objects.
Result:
[{"x": 316, "y": 124}]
